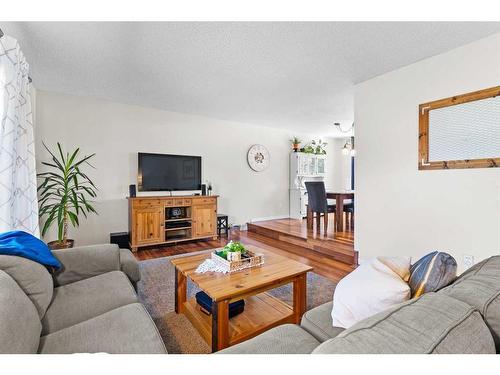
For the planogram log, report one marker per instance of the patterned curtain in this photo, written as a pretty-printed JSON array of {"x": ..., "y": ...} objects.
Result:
[{"x": 18, "y": 195}]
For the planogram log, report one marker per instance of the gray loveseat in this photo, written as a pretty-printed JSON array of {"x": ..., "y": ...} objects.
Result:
[
  {"x": 89, "y": 306},
  {"x": 461, "y": 318}
]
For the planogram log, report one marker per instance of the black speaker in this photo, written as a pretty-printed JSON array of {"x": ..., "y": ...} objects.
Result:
[
  {"x": 203, "y": 189},
  {"x": 132, "y": 190},
  {"x": 121, "y": 239}
]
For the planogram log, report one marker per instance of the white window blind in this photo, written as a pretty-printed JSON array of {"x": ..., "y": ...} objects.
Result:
[{"x": 465, "y": 131}]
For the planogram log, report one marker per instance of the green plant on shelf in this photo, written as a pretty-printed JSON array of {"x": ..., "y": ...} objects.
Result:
[
  {"x": 319, "y": 147},
  {"x": 308, "y": 149}
]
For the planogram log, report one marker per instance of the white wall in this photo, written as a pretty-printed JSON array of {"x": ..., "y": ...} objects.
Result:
[
  {"x": 339, "y": 166},
  {"x": 401, "y": 210},
  {"x": 117, "y": 132}
]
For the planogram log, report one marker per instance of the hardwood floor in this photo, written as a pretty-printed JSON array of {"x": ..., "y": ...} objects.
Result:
[
  {"x": 298, "y": 228},
  {"x": 294, "y": 232},
  {"x": 323, "y": 265},
  {"x": 181, "y": 248}
]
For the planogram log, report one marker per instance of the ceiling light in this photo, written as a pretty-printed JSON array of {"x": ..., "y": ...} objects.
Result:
[{"x": 338, "y": 126}]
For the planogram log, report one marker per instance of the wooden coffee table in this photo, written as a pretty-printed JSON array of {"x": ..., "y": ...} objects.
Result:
[{"x": 262, "y": 311}]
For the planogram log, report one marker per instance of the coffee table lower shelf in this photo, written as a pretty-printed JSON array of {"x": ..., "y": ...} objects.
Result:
[{"x": 262, "y": 312}]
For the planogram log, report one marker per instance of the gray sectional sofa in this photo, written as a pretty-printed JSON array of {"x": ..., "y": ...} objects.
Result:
[
  {"x": 89, "y": 306},
  {"x": 461, "y": 318}
]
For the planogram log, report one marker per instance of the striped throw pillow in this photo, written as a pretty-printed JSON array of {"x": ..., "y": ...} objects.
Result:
[{"x": 431, "y": 273}]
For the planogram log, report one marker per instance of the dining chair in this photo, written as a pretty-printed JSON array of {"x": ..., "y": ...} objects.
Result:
[
  {"x": 317, "y": 204},
  {"x": 349, "y": 214}
]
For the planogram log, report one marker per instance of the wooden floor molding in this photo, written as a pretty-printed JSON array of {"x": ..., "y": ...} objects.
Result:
[{"x": 295, "y": 235}]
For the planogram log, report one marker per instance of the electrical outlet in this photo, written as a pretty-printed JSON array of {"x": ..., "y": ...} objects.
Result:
[{"x": 468, "y": 261}]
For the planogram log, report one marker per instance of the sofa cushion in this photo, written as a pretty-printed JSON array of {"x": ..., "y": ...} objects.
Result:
[
  {"x": 479, "y": 286},
  {"x": 19, "y": 322},
  {"x": 83, "y": 262},
  {"x": 33, "y": 278},
  {"x": 125, "y": 330},
  {"x": 353, "y": 301},
  {"x": 433, "y": 323},
  {"x": 318, "y": 322},
  {"x": 431, "y": 273},
  {"x": 284, "y": 339},
  {"x": 85, "y": 299},
  {"x": 130, "y": 265}
]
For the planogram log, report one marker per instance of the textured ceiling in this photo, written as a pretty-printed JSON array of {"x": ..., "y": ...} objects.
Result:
[{"x": 298, "y": 76}]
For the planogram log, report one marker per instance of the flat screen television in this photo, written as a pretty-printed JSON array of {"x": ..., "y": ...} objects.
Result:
[{"x": 161, "y": 172}]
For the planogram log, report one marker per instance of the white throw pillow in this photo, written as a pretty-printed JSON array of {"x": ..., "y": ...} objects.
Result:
[
  {"x": 400, "y": 265},
  {"x": 371, "y": 288}
]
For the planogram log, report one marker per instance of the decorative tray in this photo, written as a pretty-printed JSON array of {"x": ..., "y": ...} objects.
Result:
[{"x": 248, "y": 260}]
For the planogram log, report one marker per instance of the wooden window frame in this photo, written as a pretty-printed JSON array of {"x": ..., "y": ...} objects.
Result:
[{"x": 423, "y": 134}]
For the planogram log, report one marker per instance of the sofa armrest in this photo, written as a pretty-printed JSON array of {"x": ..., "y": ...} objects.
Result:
[
  {"x": 82, "y": 262},
  {"x": 130, "y": 265}
]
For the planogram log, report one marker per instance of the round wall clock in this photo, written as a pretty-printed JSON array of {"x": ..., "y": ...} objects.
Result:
[{"x": 258, "y": 158}]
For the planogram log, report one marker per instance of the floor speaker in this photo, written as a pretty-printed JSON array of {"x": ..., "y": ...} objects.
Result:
[
  {"x": 132, "y": 191},
  {"x": 121, "y": 239}
]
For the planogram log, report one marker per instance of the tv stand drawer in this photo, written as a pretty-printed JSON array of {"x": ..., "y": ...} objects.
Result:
[
  {"x": 178, "y": 202},
  {"x": 205, "y": 200},
  {"x": 147, "y": 203}
]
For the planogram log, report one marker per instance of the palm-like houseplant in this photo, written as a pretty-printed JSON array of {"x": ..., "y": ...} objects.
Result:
[{"x": 65, "y": 192}]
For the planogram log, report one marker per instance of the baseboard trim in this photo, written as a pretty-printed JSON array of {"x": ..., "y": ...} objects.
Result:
[{"x": 253, "y": 220}]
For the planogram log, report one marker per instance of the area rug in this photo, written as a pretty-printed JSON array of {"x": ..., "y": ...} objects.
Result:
[{"x": 156, "y": 292}]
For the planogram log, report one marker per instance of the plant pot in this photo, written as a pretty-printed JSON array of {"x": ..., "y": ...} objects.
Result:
[
  {"x": 296, "y": 147},
  {"x": 56, "y": 245}
]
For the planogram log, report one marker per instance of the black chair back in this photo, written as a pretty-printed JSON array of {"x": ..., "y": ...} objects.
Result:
[{"x": 316, "y": 193}]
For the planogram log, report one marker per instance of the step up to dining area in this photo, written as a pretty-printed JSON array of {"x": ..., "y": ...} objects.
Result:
[{"x": 294, "y": 234}]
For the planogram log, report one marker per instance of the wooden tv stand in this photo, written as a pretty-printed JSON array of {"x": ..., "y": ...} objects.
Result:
[{"x": 168, "y": 219}]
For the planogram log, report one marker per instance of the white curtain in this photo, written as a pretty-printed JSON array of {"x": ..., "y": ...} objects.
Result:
[{"x": 18, "y": 195}]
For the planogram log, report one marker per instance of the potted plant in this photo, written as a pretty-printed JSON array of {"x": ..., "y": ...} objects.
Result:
[
  {"x": 319, "y": 147},
  {"x": 295, "y": 143},
  {"x": 232, "y": 247},
  {"x": 65, "y": 193}
]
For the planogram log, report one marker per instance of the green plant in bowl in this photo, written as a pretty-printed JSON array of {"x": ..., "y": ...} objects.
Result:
[
  {"x": 231, "y": 247},
  {"x": 222, "y": 254},
  {"x": 235, "y": 247}
]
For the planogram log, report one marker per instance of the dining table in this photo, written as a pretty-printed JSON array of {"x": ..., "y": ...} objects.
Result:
[{"x": 339, "y": 197}]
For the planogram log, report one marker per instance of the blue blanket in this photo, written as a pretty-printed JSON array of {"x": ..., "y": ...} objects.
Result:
[{"x": 25, "y": 245}]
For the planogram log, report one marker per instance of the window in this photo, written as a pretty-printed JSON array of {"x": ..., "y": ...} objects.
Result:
[{"x": 461, "y": 132}]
